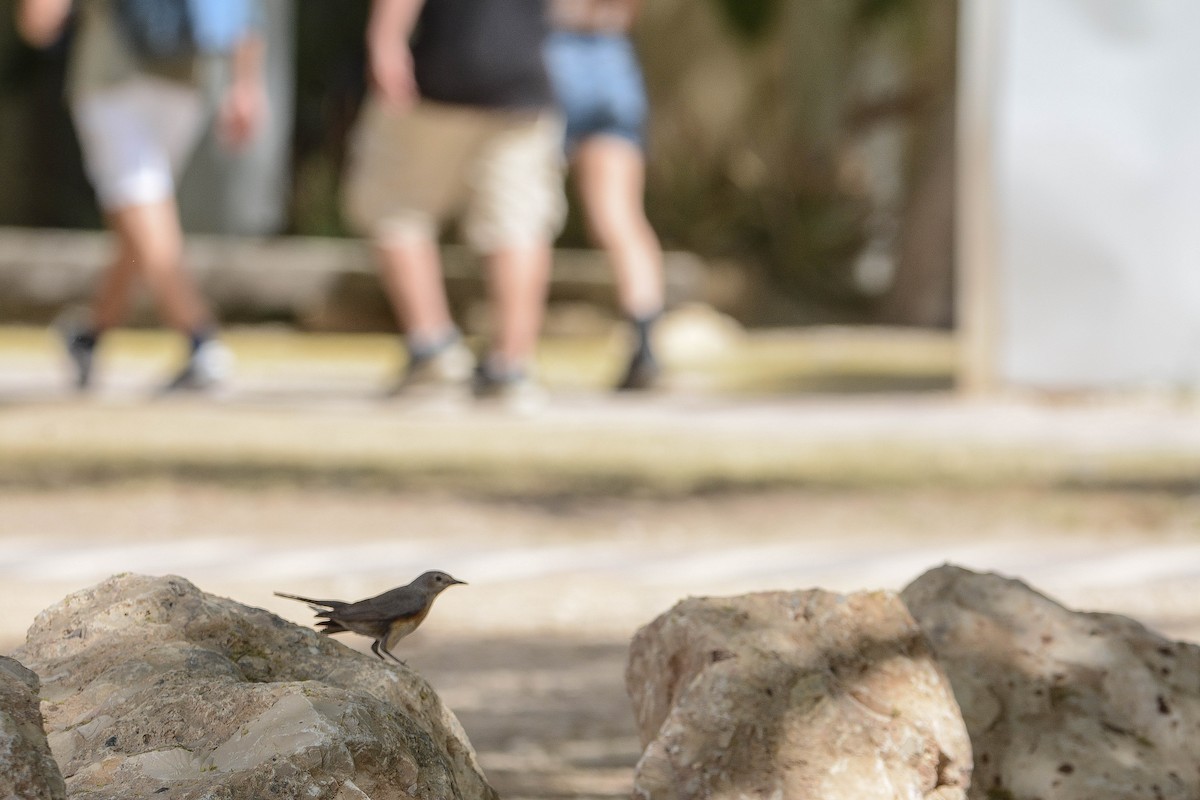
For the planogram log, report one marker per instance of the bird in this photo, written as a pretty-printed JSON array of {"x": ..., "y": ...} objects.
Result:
[{"x": 387, "y": 618}]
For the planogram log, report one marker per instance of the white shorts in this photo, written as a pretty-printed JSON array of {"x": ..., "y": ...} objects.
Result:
[
  {"x": 502, "y": 171},
  {"x": 136, "y": 138}
]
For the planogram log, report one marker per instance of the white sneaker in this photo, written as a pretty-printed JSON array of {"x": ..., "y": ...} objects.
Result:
[
  {"x": 209, "y": 367},
  {"x": 516, "y": 392},
  {"x": 448, "y": 368}
]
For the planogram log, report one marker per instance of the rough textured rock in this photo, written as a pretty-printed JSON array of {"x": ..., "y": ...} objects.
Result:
[
  {"x": 794, "y": 695},
  {"x": 1062, "y": 705},
  {"x": 27, "y": 770},
  {"x": 151, "y": 687}
]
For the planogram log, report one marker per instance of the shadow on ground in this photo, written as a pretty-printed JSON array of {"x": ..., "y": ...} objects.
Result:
[{"x": 548, "y": 716}]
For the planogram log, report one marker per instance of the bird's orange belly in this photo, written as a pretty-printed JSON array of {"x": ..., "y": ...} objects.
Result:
[{"x": 400, "y": 628}]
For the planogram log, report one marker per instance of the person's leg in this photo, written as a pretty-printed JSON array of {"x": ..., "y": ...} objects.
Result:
[
  {"x": 111, "y": 295},
  {"x": 405, "y": 175},
  {"x": 136, "y": 137},
  {"x": 109, "y": 307},
  {"x": 518, "y": 279},
  {"x": 610, "y": 177},
  {"x": 150, "y": 237},
  {"x": 516, "y": 209},
  {"x": 411, "y": 271},
  {"x": 150, "y": 247}
]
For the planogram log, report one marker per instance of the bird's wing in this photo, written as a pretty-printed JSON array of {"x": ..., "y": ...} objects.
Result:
[{"x": 402, "y": 602}]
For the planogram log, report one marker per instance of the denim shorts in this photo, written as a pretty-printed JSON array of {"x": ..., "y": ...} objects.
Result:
[{"x": 598, "y": 84}]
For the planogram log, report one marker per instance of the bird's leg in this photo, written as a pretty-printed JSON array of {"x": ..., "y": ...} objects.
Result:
[
  {"x": 375, "y": 650},
  {"x": 398, "y": 661}
]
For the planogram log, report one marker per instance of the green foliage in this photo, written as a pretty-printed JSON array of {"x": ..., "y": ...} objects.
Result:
[
  {"x": 750, "y": 19},
  {"x": 753, "y": 19},
  {"x": 872, "y": 10},
  {"x": 812, "y": 152},
  {"x": 330, "y": 82}
]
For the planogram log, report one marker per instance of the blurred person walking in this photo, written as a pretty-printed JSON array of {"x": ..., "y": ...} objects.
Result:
[
  {"x": 141, "y": 79},
  {"x": 599, "y": 86},
  {"x": 461, "y": 122}
]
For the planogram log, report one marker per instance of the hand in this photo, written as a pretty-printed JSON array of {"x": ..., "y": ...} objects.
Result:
[
  {"x": 242, "y": 115},
  {"x": 40, "y": 22},
  {"x": 392, "y": 76}
]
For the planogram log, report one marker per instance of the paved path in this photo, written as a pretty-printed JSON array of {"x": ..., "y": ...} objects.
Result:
[{"x": 346, "y": 376}]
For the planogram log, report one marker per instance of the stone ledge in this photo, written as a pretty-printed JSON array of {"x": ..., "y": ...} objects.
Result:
[{"x": 315, "y": 283}]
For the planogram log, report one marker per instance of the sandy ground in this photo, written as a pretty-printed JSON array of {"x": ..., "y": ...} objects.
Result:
[
  {"x": 576, "y": 527},
  {"x": 531, "y": 653}
]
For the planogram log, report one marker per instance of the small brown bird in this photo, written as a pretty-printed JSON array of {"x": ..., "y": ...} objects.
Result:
[{"x": 386, "y": 618}]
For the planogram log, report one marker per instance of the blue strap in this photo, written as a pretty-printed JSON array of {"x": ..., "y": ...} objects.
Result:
[{"x": 218, "y": 25}]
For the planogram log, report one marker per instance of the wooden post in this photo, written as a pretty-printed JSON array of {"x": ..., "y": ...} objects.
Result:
[{"x": 977, "y": 242}]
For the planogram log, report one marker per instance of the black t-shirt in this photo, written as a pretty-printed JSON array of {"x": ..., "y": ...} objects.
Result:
[{"x": 482, "y": 53}]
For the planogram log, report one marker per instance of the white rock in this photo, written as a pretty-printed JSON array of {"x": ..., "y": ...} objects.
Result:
[
  {"x": 1062, "y": 705},
  {"x": 157, "y": 686},
  {"x": 27, "y": 770},
  {"x": 794, "y": 695}
]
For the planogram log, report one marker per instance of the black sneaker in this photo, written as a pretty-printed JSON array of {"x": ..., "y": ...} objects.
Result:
[
  {"x": 642, "y": 374},
  {"x": 79, "y": 342}
]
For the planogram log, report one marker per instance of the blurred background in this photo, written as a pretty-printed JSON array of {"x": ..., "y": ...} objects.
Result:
[
  {"x": 876, "y": 162},
  {"x": 802, "y": 151}
]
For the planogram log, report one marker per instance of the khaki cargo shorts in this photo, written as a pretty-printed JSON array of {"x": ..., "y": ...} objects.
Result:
[{"x": 500, "y": 170}]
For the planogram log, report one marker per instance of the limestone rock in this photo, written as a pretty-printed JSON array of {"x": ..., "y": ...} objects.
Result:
[
  {"x": 27, "y": 770},
  {"x": 794, "y": 696},
  {"x": 151, "y": 687},
  {"x": 1060, "y": 704}
]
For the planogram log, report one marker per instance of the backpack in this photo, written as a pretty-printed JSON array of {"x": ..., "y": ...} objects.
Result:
[{"x": 171, "y": 30}]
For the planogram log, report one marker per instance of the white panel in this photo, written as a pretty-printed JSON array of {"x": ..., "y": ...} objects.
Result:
[{"x": 1098, "y": 172}]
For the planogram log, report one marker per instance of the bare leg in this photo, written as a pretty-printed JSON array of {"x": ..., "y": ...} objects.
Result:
[
  {"x": 150, "y": 246},
  {"x": 610, "y": 174},
  {"x": 412, "y": 276},
  {"x": 519, "y": 277},
  {"x": 438, "y": 362},
  {"x": 110, "y": 301}
]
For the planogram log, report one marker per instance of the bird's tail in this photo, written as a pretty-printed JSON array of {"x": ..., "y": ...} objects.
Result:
[{"x": 315, "y": 605}]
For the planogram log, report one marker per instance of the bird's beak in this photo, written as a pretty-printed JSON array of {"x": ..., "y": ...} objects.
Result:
[{"x": 456, "y": 580}]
